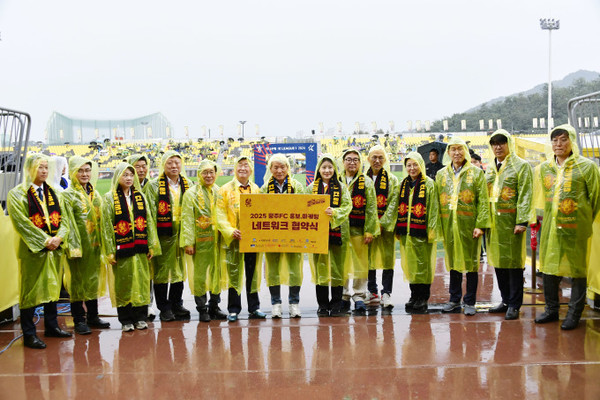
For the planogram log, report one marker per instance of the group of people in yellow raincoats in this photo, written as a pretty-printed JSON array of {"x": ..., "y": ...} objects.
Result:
[{"x": 173, "y": 229}]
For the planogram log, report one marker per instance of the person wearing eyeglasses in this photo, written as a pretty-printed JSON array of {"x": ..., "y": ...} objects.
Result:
[{"x": 364, "y": 226}]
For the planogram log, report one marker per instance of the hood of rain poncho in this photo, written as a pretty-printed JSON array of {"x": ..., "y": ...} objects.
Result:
[
  {"x": 572, "y": 137},
  {"x": 250, "y": 163},
  {"x": 55, "y": 171},
  {"x": 163, "y": 162},
  {"x": 32, "y": 163},
  {"x": 132, "y": 159},
  {"x": 119, "y": 170},
  {"x": 330, "y": 158},
  {"x": 447, "y": 160},
  {"x": 77, "y": 162},
  {"x": 360, "y": 157},
  {"x": 414, "y": 155},
  {"x": 204, "y": 165},
  {"x": 386, "y": 163},
  {"x": 511, "y": 144},
  {"x": 276, "y": 158}
]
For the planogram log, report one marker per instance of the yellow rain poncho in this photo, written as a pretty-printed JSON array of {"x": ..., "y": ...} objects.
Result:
[
  {"x": 170, "y": 266},
  {"x": 464, "y": 206},
  {"x": 360, "y": 250},
  {"x": 129, "y": 278},
  {"x": 199, "y": 229},
  {"x": 282, "y": 268},
  {"x": 569, "y": 200},
  {"x": 418, "y": 254},
  {"x": 85, "y": 274},
  {"x": 39, "y": 269},
  {"x": 333, "y": 268},
  {"x": 511, "y": 198},
  {"x": 228, "y": 217},
  {"x": 382, "y": 254}
]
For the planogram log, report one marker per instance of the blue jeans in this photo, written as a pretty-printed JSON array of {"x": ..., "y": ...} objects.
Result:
[{"x": 293, "y": 297}]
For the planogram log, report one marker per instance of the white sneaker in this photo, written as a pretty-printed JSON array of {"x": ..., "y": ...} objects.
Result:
[
  {"x": 128, "y": 328},
  {"x": 295, "y": 311},
  {"x": 372, "y": 299},
  {"x": 141, "y": 325},
  {"x": 276, "y": 311},
  {"x": 386, "y": 301}
]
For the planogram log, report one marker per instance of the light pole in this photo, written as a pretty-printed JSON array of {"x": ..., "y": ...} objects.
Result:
[
  {"x": 243, "y": 123},
  {"x": 549, "y": 25}
]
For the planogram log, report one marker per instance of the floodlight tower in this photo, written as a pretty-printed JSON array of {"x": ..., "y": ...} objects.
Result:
[
  {"x": 549, "y": 25},
  {"x": 242, "y": 123}
]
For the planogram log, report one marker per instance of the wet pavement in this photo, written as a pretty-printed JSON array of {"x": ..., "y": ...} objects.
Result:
[{"x": 391, "y": 356}]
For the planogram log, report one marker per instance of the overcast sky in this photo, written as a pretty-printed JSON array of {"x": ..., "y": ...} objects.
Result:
[{"x": 285, "y": 65}]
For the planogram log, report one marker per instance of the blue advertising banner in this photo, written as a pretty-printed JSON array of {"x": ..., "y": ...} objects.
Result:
[{"x": 262, "y": 152}]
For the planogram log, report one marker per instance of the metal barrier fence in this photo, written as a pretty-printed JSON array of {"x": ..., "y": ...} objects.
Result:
[
  {"x": 14, "y": 135},
  {"x": 584, "y": 115}
]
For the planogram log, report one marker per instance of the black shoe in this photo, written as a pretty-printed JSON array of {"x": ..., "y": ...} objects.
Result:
[
  {"x": 569, "y": 323},
  {"x": 181, "y": 313},
  {"x": 419, "y": 307},
  {"x": 345, "y": 306},
  {"x": 167, "y": 316},
  {"x": 511, "y": 313},
  {"x": 81, "y": 328},
  {"x": 33, "y": 342},
  {"x": 216, "y": 313},
  {"x": 500, "y": 308},
  {"x": 57, "y": 332},
  {"x": 322, "y": 312},
  {"x": 98, "y": 323},
  {"x": 204, "y": 316},
  {"x": 546, "y": 317},
  {"x": 338, "y": 312},
  {"x": 408, "y": 306}
]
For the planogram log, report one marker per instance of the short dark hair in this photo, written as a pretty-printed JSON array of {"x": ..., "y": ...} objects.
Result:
[
  {"x": 434, "y": 150},
  {"x": 498, "y": 139},
  {"x": 558, "y": 132},
  {"x": 475, "y": 155}
]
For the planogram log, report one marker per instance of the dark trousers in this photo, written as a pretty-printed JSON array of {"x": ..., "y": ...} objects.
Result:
[
  {"x": 130, "y": 314},
  {"x": 420, "y": 291},
  {"x": 510, "y": 283},
  {"x": 78, "y": 312},
  {"x": 455, "y": 288},
  {"x": 293, "y": 297},
  {"x": 168, "y": 295},
  {"x": 578, "y": 293},
  {"x": 234, "y": 305},
  {"x": 323, "y": 297},
  {"x": 50, "y": 321},
  {"x": 387, "y": 280},
  {"x": 213, "y": 303}
]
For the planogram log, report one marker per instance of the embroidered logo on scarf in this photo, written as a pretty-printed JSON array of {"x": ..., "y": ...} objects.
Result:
[{"x": 359, "y": 202}]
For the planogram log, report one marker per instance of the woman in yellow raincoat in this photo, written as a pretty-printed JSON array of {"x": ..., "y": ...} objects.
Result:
[
  {"x": 567, "y": 188},
  {"x": 236, "y": 264},
  {"x": 364, "y": 226},
  {"x": 130, "y": 241},
  {"x": 382, "y": 252},
  {"x": 282, "y": 268},
  {"x": 200, "y": 238},
  {"x": 464, "y": 213},
  {"x": 510, "y": 187},
  {"x": 40, "y": 219},
  {"x": 417, "y": 229},
  {"x": 85, "y": 273},
  {"x": 165, "y": 195},
  {"x": 331, "y": 269}
]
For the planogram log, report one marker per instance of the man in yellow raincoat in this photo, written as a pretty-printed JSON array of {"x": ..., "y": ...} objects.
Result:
[
  {"x": 567, "y": 188},
  {"x": 38, "y": 215},
  {"x": 200, "y": 238},
  {"x": 85, "y": 273},
  {"x": 236, "y": 264},
  {"x": 364, "y": 226},
  {"x": 464, "y": 213},
  {"x": 283, "y": 268},
  {"x": 165, "y": 194},
  {"x": 510, "y": 188},
  {"x": 382, "y": 253},
  {"x": 141, "y": 163}
]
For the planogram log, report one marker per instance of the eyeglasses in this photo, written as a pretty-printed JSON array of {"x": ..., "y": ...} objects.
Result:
[
  {"x": 352, "y": 160},
  {"x": 85, "y": 171}
]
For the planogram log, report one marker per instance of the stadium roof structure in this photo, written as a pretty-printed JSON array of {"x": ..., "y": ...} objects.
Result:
[{"x": 62, "y": 129}]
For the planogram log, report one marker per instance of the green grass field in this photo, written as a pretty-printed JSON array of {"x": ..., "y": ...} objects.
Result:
[{"x": 103, "y": 185}]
